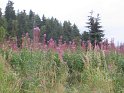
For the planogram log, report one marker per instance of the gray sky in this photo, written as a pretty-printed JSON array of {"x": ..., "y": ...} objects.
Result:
[{"x": 111, "y": 12}]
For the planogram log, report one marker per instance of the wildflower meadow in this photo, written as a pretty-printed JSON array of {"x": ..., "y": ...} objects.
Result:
[{"x": 47, "y": 67}]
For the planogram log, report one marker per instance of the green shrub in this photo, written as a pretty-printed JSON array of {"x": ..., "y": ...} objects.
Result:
[{"x": 74, "y": 62}]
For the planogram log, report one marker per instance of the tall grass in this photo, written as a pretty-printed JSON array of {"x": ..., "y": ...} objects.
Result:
[
  {"x": 9, "y": 80},
  {"x": 40, "y": 71}
]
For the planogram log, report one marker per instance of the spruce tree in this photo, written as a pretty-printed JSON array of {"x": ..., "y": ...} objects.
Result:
[
  {"x": 22, "y": 26},
  {"x": 43, "y": 20},
  {"x": 95, "y": 31},
  {"x": 67, "y": 30},
  {"x": 30, "y": 23},
  {"x": 38, "y": 21},
  {"x": 75, "y": 31},
  {"x": 85, "y": 36},
  {"x": 9, "y": 11},
  {"x": 10, "y": 16}
]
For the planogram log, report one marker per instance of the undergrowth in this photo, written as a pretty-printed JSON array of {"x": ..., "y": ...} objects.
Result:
[{"x": 27, "y": 71}]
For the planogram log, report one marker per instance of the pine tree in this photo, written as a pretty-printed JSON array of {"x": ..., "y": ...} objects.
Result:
[
  {"x": 95, "y": 32},
  {"x": 3, "y": 22},
  {"x": 53, "y": 29},
  {"x": 75, "y": 31},
  {"x": 14, "y": 28},
  {"x": 10, "y": 16},
  {"x": 43, "y": 20},
  {"x": 22, "y": 22},
  {"x": 85, "y": 36},
  {"x": 9, "y": 11},
  {"x": 31, "y": 15},
  {"x": 37, "y": 21},
  {"x": 67, "y": 30},
  {"x": 30, "y": 23},
  {"x": 22, "y": 26},
  {"x": 43, "y": 27}
]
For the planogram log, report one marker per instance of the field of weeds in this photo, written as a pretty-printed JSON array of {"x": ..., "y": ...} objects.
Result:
[{"x": 50, "y": 71}]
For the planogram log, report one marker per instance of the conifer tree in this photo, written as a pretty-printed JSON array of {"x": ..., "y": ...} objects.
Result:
[
  {"x": 10, "y": 16},
  {"x": 95, "y": 31}
]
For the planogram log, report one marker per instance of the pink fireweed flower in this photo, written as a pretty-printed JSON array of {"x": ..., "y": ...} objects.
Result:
[
  {"x": 69, "y": 46},
  {"x": 95, "y": 46},
  {"x": 45, "y": 47},
  {"x": 36, "y": 34},
  {"x": 23, "y": 41},
  {"x": 83, "y": 45},
  {"x": 101, "y": 45},
  {"x": 73, "y": 46},
  {"x": 51, "y": 44},
  {"x": 44, "y": 40},
  {"x": 112, "y": 45},
  {"x": 44, "y": 35},
  {"x": 27, "y": 40},
  {"x": 60, "y": 40},
  {"x": 121, "y": 48},
  {"x": 27, "y": 35},
  {"x": 89, "y": 45},
  {"x": 14, "y": 47},
  {"x": 64, "y": 46},
  {"x": 106, "y": 45}
]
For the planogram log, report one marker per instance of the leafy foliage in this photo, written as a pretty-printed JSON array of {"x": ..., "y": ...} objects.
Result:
[{"x": 74, "y": 62}]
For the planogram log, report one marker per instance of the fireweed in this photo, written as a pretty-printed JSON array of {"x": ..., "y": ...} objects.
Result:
[{"x": 51, "y": 67}]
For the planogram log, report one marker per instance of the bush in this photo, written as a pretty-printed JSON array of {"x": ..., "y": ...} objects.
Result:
[{"x": 74, "y": 62}]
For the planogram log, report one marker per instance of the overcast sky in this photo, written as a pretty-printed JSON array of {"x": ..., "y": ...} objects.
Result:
[{"x": 111, "y": 12}]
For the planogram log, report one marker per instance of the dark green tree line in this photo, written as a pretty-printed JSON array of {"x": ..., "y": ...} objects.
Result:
[{"x": 18, "y": 24}]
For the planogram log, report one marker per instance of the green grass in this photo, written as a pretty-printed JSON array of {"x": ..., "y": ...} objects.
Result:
[{"x": 42, "y": 72}]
